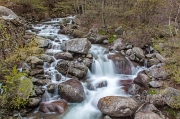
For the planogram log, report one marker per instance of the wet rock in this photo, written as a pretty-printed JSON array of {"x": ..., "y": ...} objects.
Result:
[
  {"x": 72, "y": 91},
  {"x": 59, "y": 106},
  {"x": 87, "y": 62},
  {"x": 89, "y": 56},
  {"x": 34, "y": 60},
  {"x": 142, "y": 80},
  {"x": 34, "y": 72},
  {"x": 39, "y": 91},
  {"x": 126, "y": 82},
  {"x": 41, "y": 82},
  {"x": 157, "y": 72},
  {"x": 95, "y": 85},
  {"x": 51, "y": 88},
  {"x": 7, "y": 13},
  {"x": 63, "y": 55},
  {"x": 138, "y": 52},
  {"x": 34, "y": 102},
  {"x": 148, "y": 111},
  {"x": 132, "y": 57},
  {"x": 118, "y": 45},
  {"x": 58, "y": 77},
  {"x": 72, "y": 68},
  {"x": 77, "y": 45},
  {"x": 117, "y": 106},
  {"x": 122, "y": 64},
  {"x": 171, "y": 96},
  {"x": 156, "y": 84},
  {"x": 46, "y": 58}
]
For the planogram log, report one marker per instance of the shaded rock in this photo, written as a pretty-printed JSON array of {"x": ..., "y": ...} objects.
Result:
[
  {"x": 142, "y": 79},
  {"x": 34, "y": 72},
  {"x": 138, "y": 52},
  {"x": 160, "y": 58},
  {"x": 77, "y": 45},
  {"x": 34, "y": 102},
  {"x": 171, "y": 97},
  {"x": 72, "y": 68},
  {"x": 156, "y": 99},
  {"x": 77, "y": 33},
  {"x": 41, "y": 82},
  {"x": 96, "y": 38},
  {"x": 59, "y": 106},
  {"x": 118, "y": 45},
  {"x": 39, "y": 91},
  {"x": 117, "y": 106},
  {"x": 122, "y": 65},
  {"x": 157, "y": 72},
  {"x": 63, "y": 55},
  {"x": 87, "y": 62},
  {"x": 46, "y": 58},
  {"x": 72, "y": 91},
  {"x": 119, "y": 30},
  {"x": 148, "y": 111},
  {"x": 58, "y": 77},
  {"x": 51, "y": 88},
  {"x": 7, "y": 13},
  {"x": 129, "y": 52},
  {"x": 147, "y": 115},
  {"x": 126, "y": 82},
  {"x": 152, "y": 61},
  {"x": 156, "y": 84},
  {"x": 34, "y": 60}
]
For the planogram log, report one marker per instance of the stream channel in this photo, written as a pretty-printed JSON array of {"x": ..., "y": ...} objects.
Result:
[{"x": 102, "y": 69}]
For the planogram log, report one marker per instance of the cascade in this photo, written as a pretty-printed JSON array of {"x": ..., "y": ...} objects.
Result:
[{"x": 102, "y": 79}]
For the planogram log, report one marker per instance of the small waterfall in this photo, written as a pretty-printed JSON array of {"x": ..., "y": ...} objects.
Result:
[{"x": 102, "y": 79}]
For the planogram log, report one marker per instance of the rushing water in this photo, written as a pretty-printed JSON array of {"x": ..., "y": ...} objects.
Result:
[{"x": 102, "y": 78}]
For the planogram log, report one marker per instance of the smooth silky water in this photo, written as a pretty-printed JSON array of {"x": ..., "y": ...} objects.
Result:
[{"x": 103, "y": 71}]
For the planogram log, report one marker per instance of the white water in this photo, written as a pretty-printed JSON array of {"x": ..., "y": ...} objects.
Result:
[{"x": 101, "y": 78}]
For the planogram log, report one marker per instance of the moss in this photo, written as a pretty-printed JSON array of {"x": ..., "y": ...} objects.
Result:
[
  {"x": 152, "y": 91},
  {"x": 111, "y": 38},
  {"x": 172, "y": 113}
]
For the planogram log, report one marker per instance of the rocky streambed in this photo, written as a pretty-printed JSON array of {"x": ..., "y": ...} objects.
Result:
[{"x": 76, "y": 78}]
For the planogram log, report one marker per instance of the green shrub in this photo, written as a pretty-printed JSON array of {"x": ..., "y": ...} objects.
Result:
[
  {"x": 111, "y": 38},
  {"x": 17, "y": 90},
  {"x": 152, "y": 91}
]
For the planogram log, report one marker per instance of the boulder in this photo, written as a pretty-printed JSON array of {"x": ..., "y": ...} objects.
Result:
[
  {"x": 63, "y": 55},
  {"x": 118, "y": 45},
  {"x": 171, "y": 97},
  {"x": 77, "y": 33},
  {"x": 42, "y": 42},
  {"x": 72, "y": 68},
  {"x": 7, "y": 13},
  {"x": 51, "y": 88},
  {"x": 46, "y": 58},
  {"x": 152, "y": 61},
  {"x": 148, "y": 111},
  {"x": 119, "y": 30},
  {"x": 156, "y": 99},
  {"x": 156, "y": 84},
  {"x": 34, "y": 102},
  {"x": 77, "y": 45},
  {"x": 117, "y": 106},
  {"x": 72, "y": 91},
  {"x": 87, "y": 62},
  {"x": 96, "y": 38},
  {"x": 157, "y": 72},
  {"x": 34, "y": 72},
  {"x": 59, "y": 106},
  {"x": 142, "y": 80},
  {"x": 138, "y": 52},
  {"x": 34, "y": 60}
]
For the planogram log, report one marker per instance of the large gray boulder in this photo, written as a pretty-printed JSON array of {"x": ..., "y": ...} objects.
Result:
[
  {"x": 142, "y": 80},
  {"x": 157, "y": 72},
  {"x": 117, "y": 106},
  {"x": 7, "y": 13},
  {"x": 72, "y": 91},
  {"x": 138, "y": 52},
  {"x": 72, "y": 68},
  {"x": 118, "y": 45},
  {"x": 77, "y": 45}
]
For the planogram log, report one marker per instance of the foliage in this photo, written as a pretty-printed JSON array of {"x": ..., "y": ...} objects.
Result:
[
  {"x": 172, "y": 113},
  {"x": 102, "y": 32},
  {"x": 17, "y": 90},
  {"x": 152, "y": 91},
  {"x": 111, "y": 38}
]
